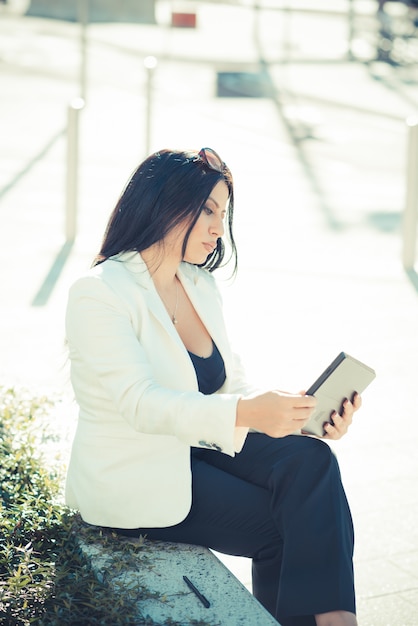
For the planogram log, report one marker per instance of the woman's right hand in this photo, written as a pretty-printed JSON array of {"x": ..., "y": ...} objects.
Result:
[{"x": 275, "y": 413}]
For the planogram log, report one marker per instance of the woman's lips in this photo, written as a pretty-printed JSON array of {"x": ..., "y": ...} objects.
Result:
[{"x": 210, "y": 247}]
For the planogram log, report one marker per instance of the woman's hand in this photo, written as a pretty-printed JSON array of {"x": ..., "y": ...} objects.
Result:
[
  {"x": 340, "y": 424},
  {"x": 275, "y": 413}
]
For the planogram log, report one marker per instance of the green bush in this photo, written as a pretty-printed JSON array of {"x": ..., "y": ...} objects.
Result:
[{"x": 45, "y": 579}]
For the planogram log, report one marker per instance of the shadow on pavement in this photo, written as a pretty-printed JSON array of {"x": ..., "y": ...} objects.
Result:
[
  {"x": 42, "y": 296},
  {"x": 38, "y": 157}
]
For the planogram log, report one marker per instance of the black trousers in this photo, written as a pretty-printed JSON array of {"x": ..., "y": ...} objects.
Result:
[{"x": 280, "y": 502}]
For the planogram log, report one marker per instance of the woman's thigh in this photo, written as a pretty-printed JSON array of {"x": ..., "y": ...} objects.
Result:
[
  {"x": 302, "y": 477},
  {"x": 262, "y": 456},
  {"x": 306, "y": 498},
  {"x": 228, "y": 514},
  {"x": 280, "y": 502},
  {"x": 232, "y": 496}
]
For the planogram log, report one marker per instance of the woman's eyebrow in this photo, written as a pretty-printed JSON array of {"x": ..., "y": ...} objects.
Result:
[{"x": 214, "y": 202}]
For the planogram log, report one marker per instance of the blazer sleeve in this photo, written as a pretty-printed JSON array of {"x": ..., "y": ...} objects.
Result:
[{"x": 105, "y": 351}]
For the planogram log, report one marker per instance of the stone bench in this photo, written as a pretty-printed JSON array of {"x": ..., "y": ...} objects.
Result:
[{"x": 159, "y": 568}]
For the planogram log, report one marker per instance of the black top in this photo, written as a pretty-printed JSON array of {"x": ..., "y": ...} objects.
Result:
[{"x": 210, "y": 372}]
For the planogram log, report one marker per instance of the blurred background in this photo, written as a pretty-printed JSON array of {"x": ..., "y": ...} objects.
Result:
[
  {"x": 314, "y": 108},
  {"x": 309, "y": 106}
]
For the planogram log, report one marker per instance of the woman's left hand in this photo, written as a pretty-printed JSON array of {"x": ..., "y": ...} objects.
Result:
[{"x": 340, "y": 424}]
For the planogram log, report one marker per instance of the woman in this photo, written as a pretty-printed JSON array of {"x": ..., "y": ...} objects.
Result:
[{"x": 172, "y": 442}]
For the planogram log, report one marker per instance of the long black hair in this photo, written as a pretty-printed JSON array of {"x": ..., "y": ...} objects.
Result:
[{"x": 168, "y": 188}]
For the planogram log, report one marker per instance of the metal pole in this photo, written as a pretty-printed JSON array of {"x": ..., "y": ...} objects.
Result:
[
  {"x": 286, "y": 31},
  {"x": 351, "y": 15},
  {"x": 83, "y": 18},
  {"x": 150, "y": 63},
  {"x": 74, "y": 109},
  {"x": 409, "y": 224}
]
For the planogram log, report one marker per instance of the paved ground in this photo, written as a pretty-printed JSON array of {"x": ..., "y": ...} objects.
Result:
[{"x": 320, "y": 184}]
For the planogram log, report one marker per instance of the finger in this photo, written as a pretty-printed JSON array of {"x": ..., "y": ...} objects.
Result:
[
  {"x": 348, "y": 413},
  {"x": 304, "y": 401},
  {"x": 357, "y": 401},
  {"x": 301, "y": 415},
  {"x": 331, "y": 432},
  {"x": 339, "y": 423},
  {"x": 337, "y": 427},
  {"x": 348, "y": 408},
  {"x": 298, "y": 400}
]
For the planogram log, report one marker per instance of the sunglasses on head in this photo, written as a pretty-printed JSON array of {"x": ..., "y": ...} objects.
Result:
[{"x": 212, "y": 159}]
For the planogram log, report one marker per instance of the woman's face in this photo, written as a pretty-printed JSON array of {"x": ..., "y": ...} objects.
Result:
[{"x": 209, "y": 226}]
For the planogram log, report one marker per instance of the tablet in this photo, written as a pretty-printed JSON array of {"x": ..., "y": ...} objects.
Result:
[{"x": 342, "y": 378}]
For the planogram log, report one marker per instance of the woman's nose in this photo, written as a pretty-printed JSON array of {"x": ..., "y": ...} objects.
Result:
[{"x": 217, "y": 227}]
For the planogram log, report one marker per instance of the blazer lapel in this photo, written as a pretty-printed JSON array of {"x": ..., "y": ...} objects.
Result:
[
  {"x": 201, "y": 292},
  {"x": 204, "y": 298},
  {"x": 139, "y": 271},
  {"x": 201, "y": 296}
]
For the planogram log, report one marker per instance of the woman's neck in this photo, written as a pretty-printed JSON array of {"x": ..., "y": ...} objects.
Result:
[{"x": 162, "y": 267}]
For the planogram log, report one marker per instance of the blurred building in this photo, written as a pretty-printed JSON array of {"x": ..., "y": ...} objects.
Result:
[{"x": 98, "y": 10}]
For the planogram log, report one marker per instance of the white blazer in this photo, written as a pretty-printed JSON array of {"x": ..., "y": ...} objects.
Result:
[{"x": 140, "y": 410}]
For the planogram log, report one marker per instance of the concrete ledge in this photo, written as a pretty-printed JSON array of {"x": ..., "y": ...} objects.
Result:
[{"x": 157, "y": 568}]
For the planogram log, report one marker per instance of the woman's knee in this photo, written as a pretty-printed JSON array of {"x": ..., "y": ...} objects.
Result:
[
  {"x": 321, "y": 450},
  {"x": 309, "y": 460}
]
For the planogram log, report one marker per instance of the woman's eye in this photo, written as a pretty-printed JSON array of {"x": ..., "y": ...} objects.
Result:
[{"x": 207, "y": 210}]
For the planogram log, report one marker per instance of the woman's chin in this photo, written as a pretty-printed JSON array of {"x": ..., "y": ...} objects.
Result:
[{"x": 196, "y": 260}]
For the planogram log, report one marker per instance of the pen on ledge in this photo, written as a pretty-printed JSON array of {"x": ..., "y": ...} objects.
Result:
[{"x": 201, "y": 597}]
